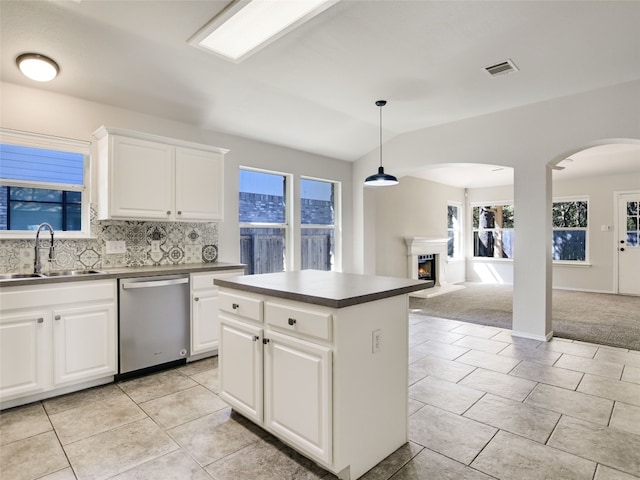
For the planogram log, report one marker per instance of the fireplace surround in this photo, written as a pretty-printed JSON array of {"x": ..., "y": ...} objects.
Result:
[{"x": 421, "y": 248}]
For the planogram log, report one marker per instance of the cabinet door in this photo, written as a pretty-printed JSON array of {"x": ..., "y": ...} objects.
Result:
[
  {"x": 23, "y": 353},
  {"x": 240, "y": 367},
  {"x": 298, "y": 393},
  {"x": 84, "y": 343},
  {"x": 199, "y": 184},
  {"x": 141, "y": 184},
  {"x": 205, "y": 326}
]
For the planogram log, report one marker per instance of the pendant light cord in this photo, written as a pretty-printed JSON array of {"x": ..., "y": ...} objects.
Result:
[{"x": 381, "y": 135}]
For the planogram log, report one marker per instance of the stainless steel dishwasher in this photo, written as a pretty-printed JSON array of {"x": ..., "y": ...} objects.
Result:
[{"x": 153, "y": 322}]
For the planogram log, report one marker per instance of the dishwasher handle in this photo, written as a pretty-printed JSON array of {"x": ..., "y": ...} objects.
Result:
[{"x": 154, "y": 283}]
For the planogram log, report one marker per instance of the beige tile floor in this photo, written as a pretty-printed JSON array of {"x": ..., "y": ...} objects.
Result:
[{"x": 483, "y": 405}]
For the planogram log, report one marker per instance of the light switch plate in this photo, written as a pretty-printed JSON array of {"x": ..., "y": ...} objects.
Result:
[{"x": 114, "y": 247}]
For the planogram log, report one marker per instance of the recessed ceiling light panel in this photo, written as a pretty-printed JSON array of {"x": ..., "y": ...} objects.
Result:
[{"x": 246, "y": 26}]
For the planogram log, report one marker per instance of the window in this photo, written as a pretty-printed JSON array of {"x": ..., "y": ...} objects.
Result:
[
  {"x": 570, "y": 230},
  {"x": 493, "y": 231},
  {"x": 318, "y": 219},
  {"x": 454, "y": 232},
  {"x": 263, "y": 221},
  {"x": 43, "y": 179}
]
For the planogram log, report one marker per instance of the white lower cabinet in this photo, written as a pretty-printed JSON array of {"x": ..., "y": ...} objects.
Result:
[
  {"x": 297, "y": 393},
  {"x": 309, "y": 375},
  {"x": 24, "y": 352},
  {"x": 205, "y": 325},
  {"x": 83, "y": 342},
  {"x": 56, "y": 336}
]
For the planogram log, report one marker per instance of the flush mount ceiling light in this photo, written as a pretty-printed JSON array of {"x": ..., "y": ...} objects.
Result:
[
  {"x": 37, "y": 67},
  {"x": 381, "y": 179},
  {"x": 245, "y": 26}
]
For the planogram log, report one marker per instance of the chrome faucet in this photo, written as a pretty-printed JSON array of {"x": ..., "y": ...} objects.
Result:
[{"x": 37, "y": 266}]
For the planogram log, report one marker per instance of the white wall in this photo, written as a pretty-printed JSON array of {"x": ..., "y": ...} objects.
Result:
[
  {"x": 415, "y": 208},
  {"x": 598, "y": 275},
  {"x": 40, "y": 111},
  {"x": 526, "y": 138}
]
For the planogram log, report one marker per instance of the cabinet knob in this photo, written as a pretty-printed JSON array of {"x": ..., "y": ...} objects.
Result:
[
  {"x": 179, "y": 212},
  {"x": 57, "y": 317},
  {"x": 196, "y": 299},
  {"x": 292, "y": 321},
  {"x": 235, "y": 306},
  {"x": 168, "y": 212},
  {"x": 256, "y": 338},
  {"x": 265, "y": 341},
  {"x": 40, "y": 320}
]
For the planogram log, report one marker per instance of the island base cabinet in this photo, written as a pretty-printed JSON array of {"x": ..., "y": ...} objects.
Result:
[
  {"x": 328, "y": 388},
  {"x": 240, "y": 367},
  {"x": 297, "y": 393}
]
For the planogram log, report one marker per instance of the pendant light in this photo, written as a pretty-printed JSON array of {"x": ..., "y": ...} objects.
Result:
[{"x": 381, "y": 179}]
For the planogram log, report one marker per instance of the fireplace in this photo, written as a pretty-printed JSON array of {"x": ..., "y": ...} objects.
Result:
[
  {"x": 427, "y": 268},
  {"x": 427, "y": 260}
]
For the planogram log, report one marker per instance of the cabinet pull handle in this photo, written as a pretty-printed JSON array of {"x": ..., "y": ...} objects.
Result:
[
  {"x": 40, "y": 320},
  {"x": 292, "y": 321},
  {"x": 256, "y": 338},
  {"x": 265, "y": 341},
  {"x": 57, "y": 317},
  {"x": 196, "y": 299},
  {"x": 235, "y": 306}
]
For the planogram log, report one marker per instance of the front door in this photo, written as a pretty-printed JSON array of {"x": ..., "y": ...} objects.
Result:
[{"x": 628, "y": 243}]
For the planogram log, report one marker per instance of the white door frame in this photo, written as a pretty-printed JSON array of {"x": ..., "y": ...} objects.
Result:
[{"x": 616, "y": 232}]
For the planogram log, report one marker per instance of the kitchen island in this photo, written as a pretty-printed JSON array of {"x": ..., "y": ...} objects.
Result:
[{"x": 320, "y": 360}]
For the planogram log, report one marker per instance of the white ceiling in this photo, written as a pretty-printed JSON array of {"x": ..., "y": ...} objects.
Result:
[{"x": 315, "y": 88}]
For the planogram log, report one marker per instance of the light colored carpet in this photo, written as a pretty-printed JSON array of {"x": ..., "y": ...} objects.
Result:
[{"x": 591, "y": 317}]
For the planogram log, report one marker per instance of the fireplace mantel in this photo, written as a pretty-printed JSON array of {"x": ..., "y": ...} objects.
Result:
[{"x": 430, "y": 246}]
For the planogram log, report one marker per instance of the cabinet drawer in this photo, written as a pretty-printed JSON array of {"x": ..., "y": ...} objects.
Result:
[
  {"x": 248, "y": 307},
  {"x": 314, "y": 323},
  {"x": 201, "y": 281}
]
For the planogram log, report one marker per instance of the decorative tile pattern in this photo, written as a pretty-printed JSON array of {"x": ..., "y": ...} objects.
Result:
[{"x": 180, "y": 242}]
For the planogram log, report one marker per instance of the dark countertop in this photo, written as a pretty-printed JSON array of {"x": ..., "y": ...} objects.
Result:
[
  {"x": 330, "y": 289},
  {"x": 127, "y": 272}
]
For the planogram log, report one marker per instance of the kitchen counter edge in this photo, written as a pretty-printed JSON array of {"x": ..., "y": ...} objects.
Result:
[
  {"x": 127, "y": 272},
  {"x": 366, "y": 290}
]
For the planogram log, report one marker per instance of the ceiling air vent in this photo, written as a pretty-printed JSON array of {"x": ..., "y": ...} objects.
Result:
[{"x": 501, "y": 68}]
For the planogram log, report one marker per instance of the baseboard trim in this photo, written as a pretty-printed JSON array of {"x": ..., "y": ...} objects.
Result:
[{"x": 540, "y": 338}]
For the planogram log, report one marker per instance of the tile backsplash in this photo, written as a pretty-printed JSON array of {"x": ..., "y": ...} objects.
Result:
[{"x": 174, "y": 243}]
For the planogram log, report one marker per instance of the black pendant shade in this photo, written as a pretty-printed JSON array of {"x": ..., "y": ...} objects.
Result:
[{"x": 381, "y": 179}]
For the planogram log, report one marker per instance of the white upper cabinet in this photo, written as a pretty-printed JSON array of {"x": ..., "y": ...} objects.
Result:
[{"x": 147, "y": 177}]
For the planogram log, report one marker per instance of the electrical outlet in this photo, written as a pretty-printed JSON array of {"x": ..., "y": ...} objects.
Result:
[
  {"x": 114, "y": 247},
  {"x": 155, "y": 246},
  {"x": 376, "y": 341}
]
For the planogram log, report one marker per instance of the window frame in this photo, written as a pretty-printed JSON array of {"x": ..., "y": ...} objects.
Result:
[
  {"x": 337, "y": 219},
  {"x": 576, "y": 198},
  {"x": 288, "y": 214},
  {"x": 492, "y": 203},
  {"x": 50, "y": 142}
]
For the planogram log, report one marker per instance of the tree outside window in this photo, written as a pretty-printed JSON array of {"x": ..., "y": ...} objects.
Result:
[
  {"x": 570, "y": 226},
  {"x": 454, "y": 230},
  {"x": 493, "y": 231}
]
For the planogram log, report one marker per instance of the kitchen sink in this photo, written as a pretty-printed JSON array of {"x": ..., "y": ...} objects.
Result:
[
  {"x": 17, "y": 276},
  {"x": 72, "y": 273}
]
